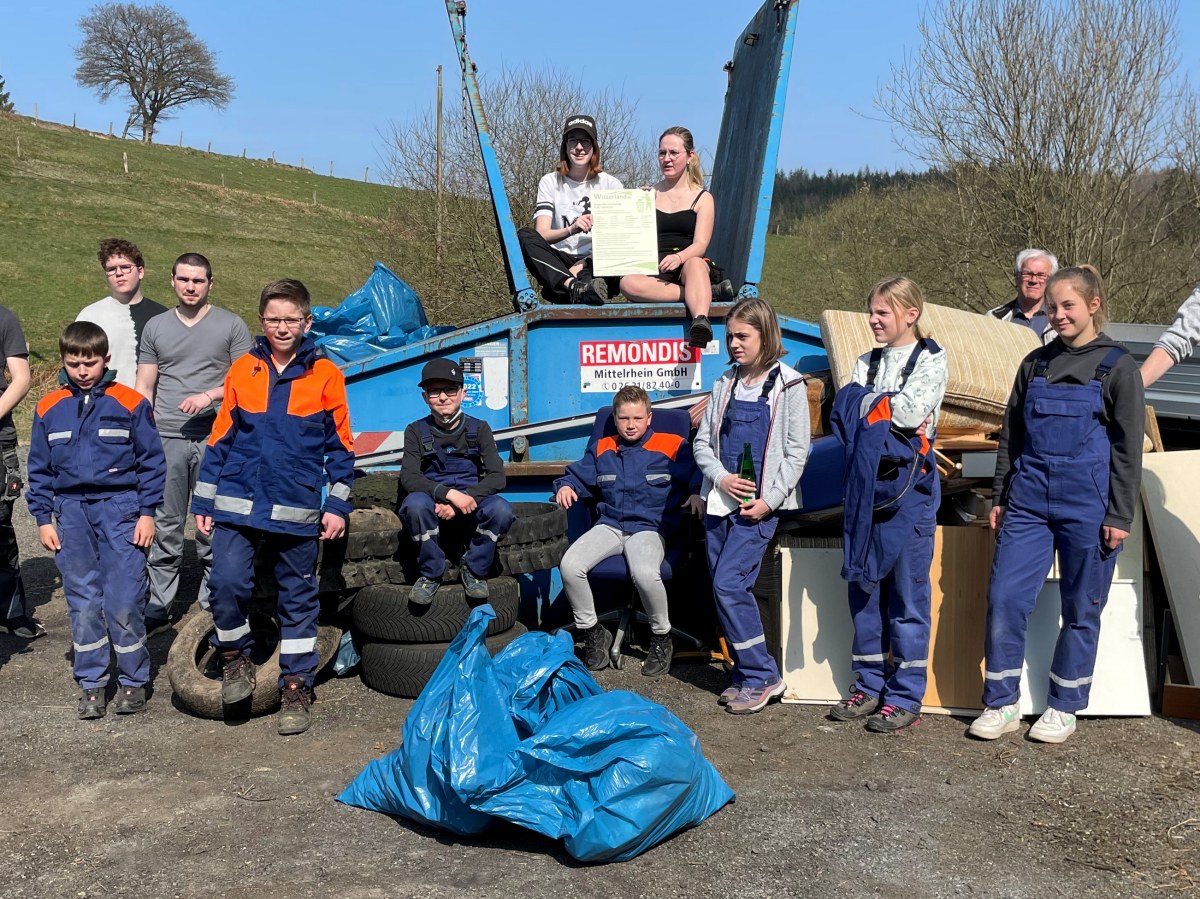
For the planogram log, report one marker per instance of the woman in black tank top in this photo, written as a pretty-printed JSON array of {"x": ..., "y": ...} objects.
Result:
[{"x": 684, "y": 212}]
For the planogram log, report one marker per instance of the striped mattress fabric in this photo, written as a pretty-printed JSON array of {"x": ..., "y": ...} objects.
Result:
[{"x": 983, "y": 356}]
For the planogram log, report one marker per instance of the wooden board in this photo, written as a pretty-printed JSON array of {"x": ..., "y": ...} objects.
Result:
[
  {"x": 1170, "y": 486},
  {"x": 816, "y": 629}
]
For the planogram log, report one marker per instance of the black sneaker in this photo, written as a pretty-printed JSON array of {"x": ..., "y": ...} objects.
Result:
[
  {"x": 859, "y": 705},
  {"x": 156, "y": 626},
  {"x": 130, "y": 700},
  {"x": 658, "y": 659},
  {"x": 700, "y": 333},
  {"x": 723, "y": 292},
  {"x": 294, "y": 701},
  {"x": 422, "y": 591},
  {"x": 591, "y": 292},
  {"x": 596, "y": 643},
  {"x": 92, "y": 704},
  {"x": 237, "y": 676},
  {"x": 890, "y": 719},
  {"x": 476, "y": 587},
  {"x": 24, "y": 627}
]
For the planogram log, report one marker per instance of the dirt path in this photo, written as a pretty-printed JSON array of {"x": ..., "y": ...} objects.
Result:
[{"x": 165, "y": 804}]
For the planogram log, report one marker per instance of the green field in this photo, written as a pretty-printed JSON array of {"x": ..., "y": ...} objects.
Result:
[{"x": 256, "y": 221}]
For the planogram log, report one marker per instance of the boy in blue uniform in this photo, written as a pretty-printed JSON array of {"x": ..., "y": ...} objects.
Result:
[
  {"x": 451, "y": 472},
  {"x": 642, "y": 479},
  {"x": 281, "y": 435},
  {"x": 96, "y": 474}
]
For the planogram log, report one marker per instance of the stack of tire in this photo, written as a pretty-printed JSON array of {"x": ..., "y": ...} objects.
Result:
[{"x": 401, "y": 643}]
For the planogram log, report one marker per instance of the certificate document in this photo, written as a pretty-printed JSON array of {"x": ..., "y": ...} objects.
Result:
[{"x": 624, "y": 233}]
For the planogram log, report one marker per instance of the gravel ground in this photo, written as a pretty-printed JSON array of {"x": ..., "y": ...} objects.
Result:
[{"x": 167, "y": 804}]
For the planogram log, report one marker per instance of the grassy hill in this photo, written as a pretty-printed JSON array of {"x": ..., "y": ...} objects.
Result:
[{"x": 255, "y": 220}]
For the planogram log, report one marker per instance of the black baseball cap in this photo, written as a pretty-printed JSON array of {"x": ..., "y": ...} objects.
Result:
[
  {"x": 580, "y": 122},
  {"x": 441, "y": 370}
]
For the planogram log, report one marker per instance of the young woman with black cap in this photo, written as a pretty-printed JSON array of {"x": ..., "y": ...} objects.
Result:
[{"x": 558, "y": 247}]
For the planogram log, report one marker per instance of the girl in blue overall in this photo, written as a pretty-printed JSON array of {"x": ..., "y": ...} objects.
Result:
[
  {"x": 1067, "y": 474},
  {"x": 763, "y": 404},
  {"x": 898, "y": 387}
]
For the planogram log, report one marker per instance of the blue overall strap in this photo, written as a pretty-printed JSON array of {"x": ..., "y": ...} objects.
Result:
[
  {"x": 923, "y": 344},
  {"x": 1106, "y": 365},
  {"x": 428, "y": 446},
  {"x": 873, "y": 367},
  {"x": 768, "y": 385},
  {"x": 473, "y": 436}
]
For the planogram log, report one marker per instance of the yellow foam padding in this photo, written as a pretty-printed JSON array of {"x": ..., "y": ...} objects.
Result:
[{"x": 983, "y": 355}]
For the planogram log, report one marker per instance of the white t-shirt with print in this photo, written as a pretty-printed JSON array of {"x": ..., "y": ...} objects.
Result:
[{"x": 564, "y": 200}]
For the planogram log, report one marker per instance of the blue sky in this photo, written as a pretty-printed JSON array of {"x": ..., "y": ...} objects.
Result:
[{"x": 320, "y": 81}]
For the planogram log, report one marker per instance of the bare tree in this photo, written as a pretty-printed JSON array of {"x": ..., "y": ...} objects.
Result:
[
  {"x": 526, "y": 110},
  {"x": 1058, "y": 123},
  {"x": 150, "y": 52}
]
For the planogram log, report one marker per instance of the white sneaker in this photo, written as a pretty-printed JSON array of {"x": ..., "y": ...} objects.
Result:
[
  {"x": 996, "y": 722},
  {"x": 1053, "y": 727}
]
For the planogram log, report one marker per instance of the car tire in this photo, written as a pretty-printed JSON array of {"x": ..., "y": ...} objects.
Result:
[{"x": 403, "y": 669}]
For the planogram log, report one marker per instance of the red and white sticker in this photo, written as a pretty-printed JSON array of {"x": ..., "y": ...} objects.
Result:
[{"x": 605, "y": 366}]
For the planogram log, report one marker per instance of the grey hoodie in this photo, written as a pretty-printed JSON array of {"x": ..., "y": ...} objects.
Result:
[{"x": 1179, "y": 339}]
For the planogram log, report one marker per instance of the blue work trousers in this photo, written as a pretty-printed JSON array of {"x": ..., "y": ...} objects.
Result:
[
  {"x": 491, "y": 520},
  {"x": 104, "y": 579},
  {"x": 735, "y": 553},
  {"x": 893, "y": 619},
  {"x": 232, "y": 580}
]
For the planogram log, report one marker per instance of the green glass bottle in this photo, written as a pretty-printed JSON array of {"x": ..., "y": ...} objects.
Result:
[{"x": 746, "y": 472}]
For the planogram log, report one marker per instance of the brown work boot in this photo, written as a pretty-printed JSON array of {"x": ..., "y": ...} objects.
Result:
[
  {"x": 294, "y": 701},
  {"x": 237, "y": 676}
]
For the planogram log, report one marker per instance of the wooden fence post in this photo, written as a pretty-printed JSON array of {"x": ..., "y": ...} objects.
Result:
[{"x": 125, "y": 161}]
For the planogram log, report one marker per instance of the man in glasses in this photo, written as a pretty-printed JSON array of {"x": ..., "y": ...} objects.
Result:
[
  {"x": 451, "y": 474},
  {"x": 1033, "y": 267},
  {"x": 183, "y": 357},
  {"x": 124, "y": 312}
]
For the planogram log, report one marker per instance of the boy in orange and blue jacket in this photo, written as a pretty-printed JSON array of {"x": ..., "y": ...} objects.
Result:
[
  {"x": 281, "y": 436},
  {"x": 96, "y": 475}
]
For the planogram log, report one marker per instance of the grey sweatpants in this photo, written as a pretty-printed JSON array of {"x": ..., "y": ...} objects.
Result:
[
  {"x": 643, "y": 554},
  {"x": 166, "y": 552}
]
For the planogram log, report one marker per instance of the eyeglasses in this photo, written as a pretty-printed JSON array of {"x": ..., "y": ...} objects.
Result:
[
  {"x": 289, "y": 323},
  {"x": 584, "y": 142},
  {"x": 1035, "y": 277},
  {"x": 442, "y": 391},
  {"x": 119, "y": 269}
]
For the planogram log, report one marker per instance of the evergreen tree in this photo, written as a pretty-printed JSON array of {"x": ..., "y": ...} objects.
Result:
[{"x": 5, "y": 102}]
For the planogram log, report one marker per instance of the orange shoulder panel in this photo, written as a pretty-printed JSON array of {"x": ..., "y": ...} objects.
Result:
[
  {"x": 667, "y": 444},
  {"x": 248, "y": 384},
  {"x": 881, "y": 412},
  {"x": 126, "y": 396},
  {"x": 50, "y": 400},
  {"x": 606, "y": 445},
  {"x": 307, "y": 395}
]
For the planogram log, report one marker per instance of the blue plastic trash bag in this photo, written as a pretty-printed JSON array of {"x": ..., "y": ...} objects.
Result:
[
  {"x": 347, "y": 657},
  {"x": 413, "y": 780},
  {"x": 612, "y": 775},
  {"x": 540, "y": 674},
  {"x": 382, "y": 314}
]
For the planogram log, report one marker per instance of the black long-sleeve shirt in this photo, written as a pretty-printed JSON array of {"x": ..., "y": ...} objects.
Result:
[
  {"x": 413, "y": 480},
  {"x": 1124, "y": 418}
]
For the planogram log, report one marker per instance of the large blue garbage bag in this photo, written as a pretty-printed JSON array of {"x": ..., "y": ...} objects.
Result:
[
  {"x": 611, "y": 774},
  {"x": 414, "y": 780},
  {"x": 382, "y": 314},
  {"x": 540, "y": 675}
]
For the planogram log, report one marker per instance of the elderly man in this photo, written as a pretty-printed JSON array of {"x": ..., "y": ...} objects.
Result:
[{"x": 1033, "y": 267}]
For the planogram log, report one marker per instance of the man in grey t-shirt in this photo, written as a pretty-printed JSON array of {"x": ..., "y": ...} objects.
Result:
[{"x": 182, "y": 360}]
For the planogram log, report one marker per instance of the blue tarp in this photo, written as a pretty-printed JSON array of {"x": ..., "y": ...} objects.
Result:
[
  {"x": 382, "y": 314},
  {"x": 530, "y": 738}
]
